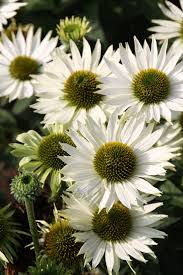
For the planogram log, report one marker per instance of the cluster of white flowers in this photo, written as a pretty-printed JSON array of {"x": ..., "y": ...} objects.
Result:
[{"x": 102, "y": 115}]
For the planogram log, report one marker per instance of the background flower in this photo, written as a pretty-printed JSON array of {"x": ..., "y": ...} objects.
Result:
[
  {"x": 148, "y": 82},
  {"x": 39, "y": 154},
  {"x": 21, "y": 58},
  {"x": 8, "y": 9},
  {"x": 172, "y": 28}
]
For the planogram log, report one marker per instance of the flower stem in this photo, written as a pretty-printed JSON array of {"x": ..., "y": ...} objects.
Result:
[{"x": 32, "y": 225}]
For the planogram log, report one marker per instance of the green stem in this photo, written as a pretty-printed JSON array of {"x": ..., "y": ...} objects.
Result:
[{"x": 32, "y": 225}]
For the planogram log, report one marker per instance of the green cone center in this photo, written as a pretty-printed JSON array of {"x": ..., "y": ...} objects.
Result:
[
  {"x": 22, "y": 67},
  {"x": 71, "y": 28},
  {"x": 115, "y": 161},
  {"x": 50, "y": 149},
  {"x": 80, "y": 90},
  {"x": 60, "y": 244},
  {"x": 114, "y": 225},
  {"x": 151, "y": 86}
]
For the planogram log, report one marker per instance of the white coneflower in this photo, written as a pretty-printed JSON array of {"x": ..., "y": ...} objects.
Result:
[
  {"x": 69, "y": 88},
  {"x": 115, "y": 161},
  {"x": 171, "y": 28},
  {"x": 148, "y": 82},
  {"x": 8, "y": 9},
  {"x": 39, "y": 154},
  {"x": 20, "y": 58},
  {"x": 173, "y": 138},
  {"x": 58, "y": 241},
  {"x": 119, "y": 233},
  {"x": 60, "y": 244}
]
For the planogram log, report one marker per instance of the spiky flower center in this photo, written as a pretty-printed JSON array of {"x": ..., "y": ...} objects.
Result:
[
  {"x": 114, "y": 225},
  {"x": 151, "y": 86},
  {"x": 60, "y": 244},
  {"x": 50, "y": 148},
  {"x": 181, "y": 30},
  {"x": 80, "y": 89},
  {"x": 22, "y": 67},
  {"x": 115, "y": 161}
]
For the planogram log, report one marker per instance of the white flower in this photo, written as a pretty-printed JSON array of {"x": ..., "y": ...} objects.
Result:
[
  {"x": 121, "y": 233},
  {"x": 8, "y": 9},
  {"x": 39, "y": 154},
  {"x": 172, "y": 28},
  {"x": 20, "y": 58},
  {"x": 114, "y": 162},
  {"x": 68, "y": 89},
  {"x": 173, "y": 138},
  {"x": 147, "y": 82}
]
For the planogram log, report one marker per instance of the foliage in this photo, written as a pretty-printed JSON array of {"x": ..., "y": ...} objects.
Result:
[
  {"x": 9, "y": 235},
  {"x": 46, "y": 266}
]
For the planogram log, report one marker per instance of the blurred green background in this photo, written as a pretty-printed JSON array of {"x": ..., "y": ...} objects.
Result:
[{"x": 113, "y": 21}]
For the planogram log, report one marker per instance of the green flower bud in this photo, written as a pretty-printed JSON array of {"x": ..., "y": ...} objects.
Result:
[
  {"x": 25, "y": 186},
  {"x": 47, "y": 266},
  {"x": 73, "y": 28}
]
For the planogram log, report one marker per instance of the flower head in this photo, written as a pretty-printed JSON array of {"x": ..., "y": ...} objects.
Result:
[
  {"x": 73, "y": 28},
  {"x": 60, "y": 245},
  {"x": 8, "y": 9},
  {"x": 70, "y": 89},
  {"x": 21, "y": 57},
  {"x": 25, "y": 186},
  {"x": 171, "y": 28},
  {"x": 171, "y": 137},
  {"x": 148, "y": 82},
  {"x": 40, "y": 154},
  {"x": 116, "y": 161},
  {"x": 119, "y": 233}
]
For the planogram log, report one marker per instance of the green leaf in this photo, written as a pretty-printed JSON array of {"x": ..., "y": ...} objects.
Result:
[
  {"x": 173, "y": 193},
  {"x": 6, "y": 118},
  {"x": 168, "y": 221},
  {"x": 21, "y": 105}
]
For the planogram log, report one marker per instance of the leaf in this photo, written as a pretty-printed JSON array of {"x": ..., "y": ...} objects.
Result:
[
  {"x": 21, "y": 105},
  {"x": 6, "y": 118},
  {"x": 173, "y": 193},
  {"x": 168, "y": 221}
]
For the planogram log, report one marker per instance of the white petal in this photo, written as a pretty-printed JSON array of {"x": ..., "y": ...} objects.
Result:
[{"x": 109, "y": 257}]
